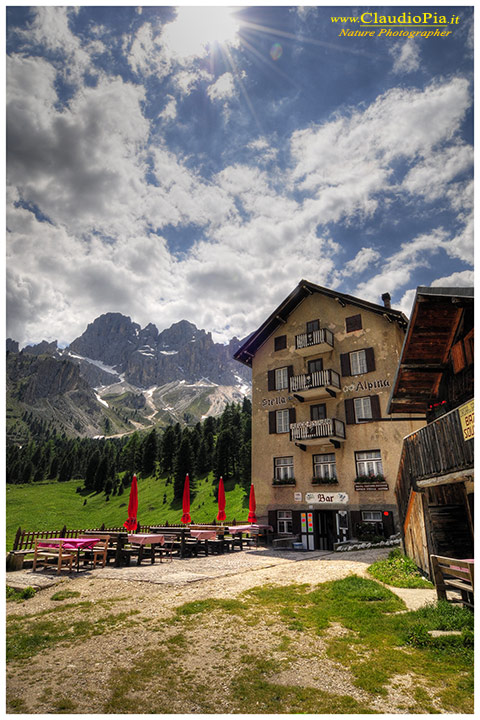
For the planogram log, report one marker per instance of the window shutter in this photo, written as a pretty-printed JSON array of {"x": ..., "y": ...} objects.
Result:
[
  {"x": 272, "y": 422},
  {"x": 354, "y": 322},
  {"x": 271, "y": 379},
  {"x": 375, "y": 405},
  {"x": 345, "y": 364},
  {"x": 280, "y": 342},
  {"x": 349, "y": 412},
  {"x": 468, "y": 347},
  {"x": 292, "y": 415},
  {"x": 370, "y": 359}
]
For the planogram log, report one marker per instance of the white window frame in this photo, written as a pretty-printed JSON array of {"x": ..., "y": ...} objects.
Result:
[
  {"x": 283, "y": 468},
  {"x": 281, "y": 378},
  {"x": 358, "y": 362},
  {"x": 282, "y": 421},
  {"x": 368, "y": 462},
  {"x": 326, "y": 467},
  {"x": 284, "y": 521},
  {"x": 363, "y": 408},
  {"x": 368, "y": 516}
]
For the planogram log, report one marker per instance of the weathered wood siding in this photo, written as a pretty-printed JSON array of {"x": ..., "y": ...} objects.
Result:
[{"x": 415, "y": 536}]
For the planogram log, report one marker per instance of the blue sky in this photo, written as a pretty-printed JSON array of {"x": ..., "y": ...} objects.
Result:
[{"x": 197, "y": 162}]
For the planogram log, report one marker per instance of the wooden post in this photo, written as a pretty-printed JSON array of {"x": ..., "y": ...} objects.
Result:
[
  {"x": 438, "y": 579},
  {"x": 63, "y": 531},
  {"x": 17, "y": 538}
]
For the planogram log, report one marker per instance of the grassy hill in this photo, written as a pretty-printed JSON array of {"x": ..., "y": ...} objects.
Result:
[{"x": 50, "y": 506}]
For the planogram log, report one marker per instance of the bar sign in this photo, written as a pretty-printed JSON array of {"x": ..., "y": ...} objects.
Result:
[{"x": 467, "y": 420}]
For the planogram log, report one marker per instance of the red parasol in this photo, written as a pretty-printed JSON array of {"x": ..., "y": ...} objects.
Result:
[
  {"x": 252, "y": 518},
  {"x": 186, "y": 502},
  {"x": 131, "y": 523},
  {"x": 221, "y": 517}
]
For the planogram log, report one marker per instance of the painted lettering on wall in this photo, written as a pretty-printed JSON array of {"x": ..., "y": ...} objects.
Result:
[
  {"x": 326, "y": 498},
  {"x": 364, "y": 385},
  {"x": 279, "y": 400}
]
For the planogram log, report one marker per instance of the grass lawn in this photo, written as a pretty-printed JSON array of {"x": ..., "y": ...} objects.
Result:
[
  {"x": 398, "y": 570},
  {"x": 269, "y": 650},
  {"x": 50, "y": 506}
]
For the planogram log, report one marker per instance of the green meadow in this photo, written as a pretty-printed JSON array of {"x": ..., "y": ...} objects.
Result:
[{"x": 51, "y": 505}]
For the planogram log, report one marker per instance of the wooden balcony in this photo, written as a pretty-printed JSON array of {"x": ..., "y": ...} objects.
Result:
[
  {"x": 315, "y": 385},
  {"x": 314, "y": 343},
  {"x": 318, "y": 432},
  {"x": 436, "y": 452}
]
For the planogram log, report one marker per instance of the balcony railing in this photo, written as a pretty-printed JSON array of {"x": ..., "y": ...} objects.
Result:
[
  {"x": 436, "y": 450},
  {"x": 321, "y": 379},
  {"x": 315, "y": 430},
  {"x": 318, "y": 340}
]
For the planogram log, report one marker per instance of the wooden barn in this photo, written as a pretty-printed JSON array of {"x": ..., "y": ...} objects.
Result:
[{"x": 434, "y": 486}]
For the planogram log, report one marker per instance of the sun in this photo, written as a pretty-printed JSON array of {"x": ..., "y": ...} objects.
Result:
[{"x": 196, "y": 29}]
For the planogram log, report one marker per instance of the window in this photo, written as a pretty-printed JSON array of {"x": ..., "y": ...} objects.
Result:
[
  {"x": 281, "y": 379},
  {"x": 284, "y": 521},
  {"x": 371, "y": 516},
  {"x": 282, "y": 421},
  {"x": 363, "y": 409},
  {"x": 354, "y": 322},
  {"x": 318, "y": 412},
  {"x": 315, "y": 365},
  {"x": 357, "y": 362},
  {"x": 279, "y": 421},
  {"x": 280, "y": 343},
  {"x": 283, "y": 468},
  {"x": 312, "y": 326},
  {"x": 368, "y": 462},
  {"x": 324, "y": 466}
]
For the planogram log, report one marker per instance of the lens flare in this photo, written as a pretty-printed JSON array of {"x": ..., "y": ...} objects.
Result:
[{"x": 276, "y": 51}]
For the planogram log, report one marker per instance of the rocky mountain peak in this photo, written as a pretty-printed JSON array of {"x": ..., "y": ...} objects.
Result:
[{"x": 110, "y": 338}]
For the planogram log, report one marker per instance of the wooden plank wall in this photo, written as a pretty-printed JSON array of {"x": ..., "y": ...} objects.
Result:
[{"x": 415, "y": 536}]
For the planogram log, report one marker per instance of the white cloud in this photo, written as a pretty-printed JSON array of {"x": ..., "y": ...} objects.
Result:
[
  {"x": 169, "y": 112},
  {"x": 365, "y": 258},
  {"x": 223, "y": 88},
  {"x": 406, "y": 55}
]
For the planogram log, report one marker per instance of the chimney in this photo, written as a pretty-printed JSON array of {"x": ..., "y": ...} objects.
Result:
[{"x": 386, "y": 300}]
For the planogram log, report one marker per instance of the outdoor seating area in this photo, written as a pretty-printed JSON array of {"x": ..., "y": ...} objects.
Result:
[{"x": 88, "y": 549}]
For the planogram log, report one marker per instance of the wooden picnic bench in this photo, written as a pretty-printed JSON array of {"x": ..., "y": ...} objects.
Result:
[
  {"x": 453, "y": 575},
  {"x": 57, "y": 555},
  {"x": 116, "y": 546}
]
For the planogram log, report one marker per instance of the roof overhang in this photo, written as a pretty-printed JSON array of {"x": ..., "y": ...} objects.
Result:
[
  {"x": 431, "y": 331},
  {"x": 303, "y": 290}
]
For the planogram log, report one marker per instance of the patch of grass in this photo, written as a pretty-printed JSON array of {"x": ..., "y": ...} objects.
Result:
[
  {"x": 16, "y": 705},
  {"x": 64, "y": 704},
  {"x": 201, "y": 606},
  {"x": 29, "y": 635},
  {"x": 398, "y": 570},
  {"x": 65, "y": 594},
  {"x": 20, "y": 595}
]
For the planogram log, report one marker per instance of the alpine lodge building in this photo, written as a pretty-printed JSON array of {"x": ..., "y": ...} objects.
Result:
[{"x": 325, "y": 454}]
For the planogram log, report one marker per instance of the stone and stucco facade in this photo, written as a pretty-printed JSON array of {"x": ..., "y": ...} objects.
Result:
[{"x": 323, "y": 366}]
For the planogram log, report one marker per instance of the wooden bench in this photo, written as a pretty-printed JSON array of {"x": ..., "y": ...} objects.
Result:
[
  {"x": 100, "y": 550},
  {"x": 452, "y": 575},
  {"x": 116, "y": 546},
  {"x": 42, "y": 556}
]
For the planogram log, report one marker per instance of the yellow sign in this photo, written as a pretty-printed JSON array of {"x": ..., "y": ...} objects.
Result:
[{"x": 467, "y": 418}]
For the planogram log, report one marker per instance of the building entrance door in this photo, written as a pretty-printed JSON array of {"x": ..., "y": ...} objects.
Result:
[
  {"x": 307, "y": 531},
  {"x": 326, "y": 529}
]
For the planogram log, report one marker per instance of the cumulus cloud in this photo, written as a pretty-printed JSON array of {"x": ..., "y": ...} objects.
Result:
[
  {"x": 223, "y": 88},
  {"x": 406, "y": 56},
  {"x": 365, "y": 258}
]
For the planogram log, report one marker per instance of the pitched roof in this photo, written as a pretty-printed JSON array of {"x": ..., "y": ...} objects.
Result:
[
  {"x": 304, "y": 288},
  {"x": 436, "y": 315}
]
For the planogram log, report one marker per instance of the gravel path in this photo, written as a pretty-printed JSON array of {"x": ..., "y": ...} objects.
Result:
[{"x": 221, "y": 575}]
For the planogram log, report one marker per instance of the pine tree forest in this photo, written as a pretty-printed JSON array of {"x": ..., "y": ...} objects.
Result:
[{"x": 218, "y": 444}]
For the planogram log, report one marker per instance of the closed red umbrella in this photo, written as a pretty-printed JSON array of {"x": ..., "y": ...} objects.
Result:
[
  {"x": 252, "y": 506},
  {"x": 132, "y": 523},
  {"x": 186, "y": 502},
  {"x": 221, "y": 517}
]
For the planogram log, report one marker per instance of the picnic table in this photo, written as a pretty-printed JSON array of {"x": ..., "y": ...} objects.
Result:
[
  {"x": 143, "y": 539},
  {"x": 253, "y": 529},
  {"x": 77, "y": 544},
  {"x": 117, "y": 542}
]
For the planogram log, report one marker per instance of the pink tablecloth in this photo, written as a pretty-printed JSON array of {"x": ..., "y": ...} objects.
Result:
[
  {"x": 248, "y": 528},
  {"x": 69, "y": 543},
  {"x": 139, "y": 539},
  {"x": 203, "y": 534}
]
